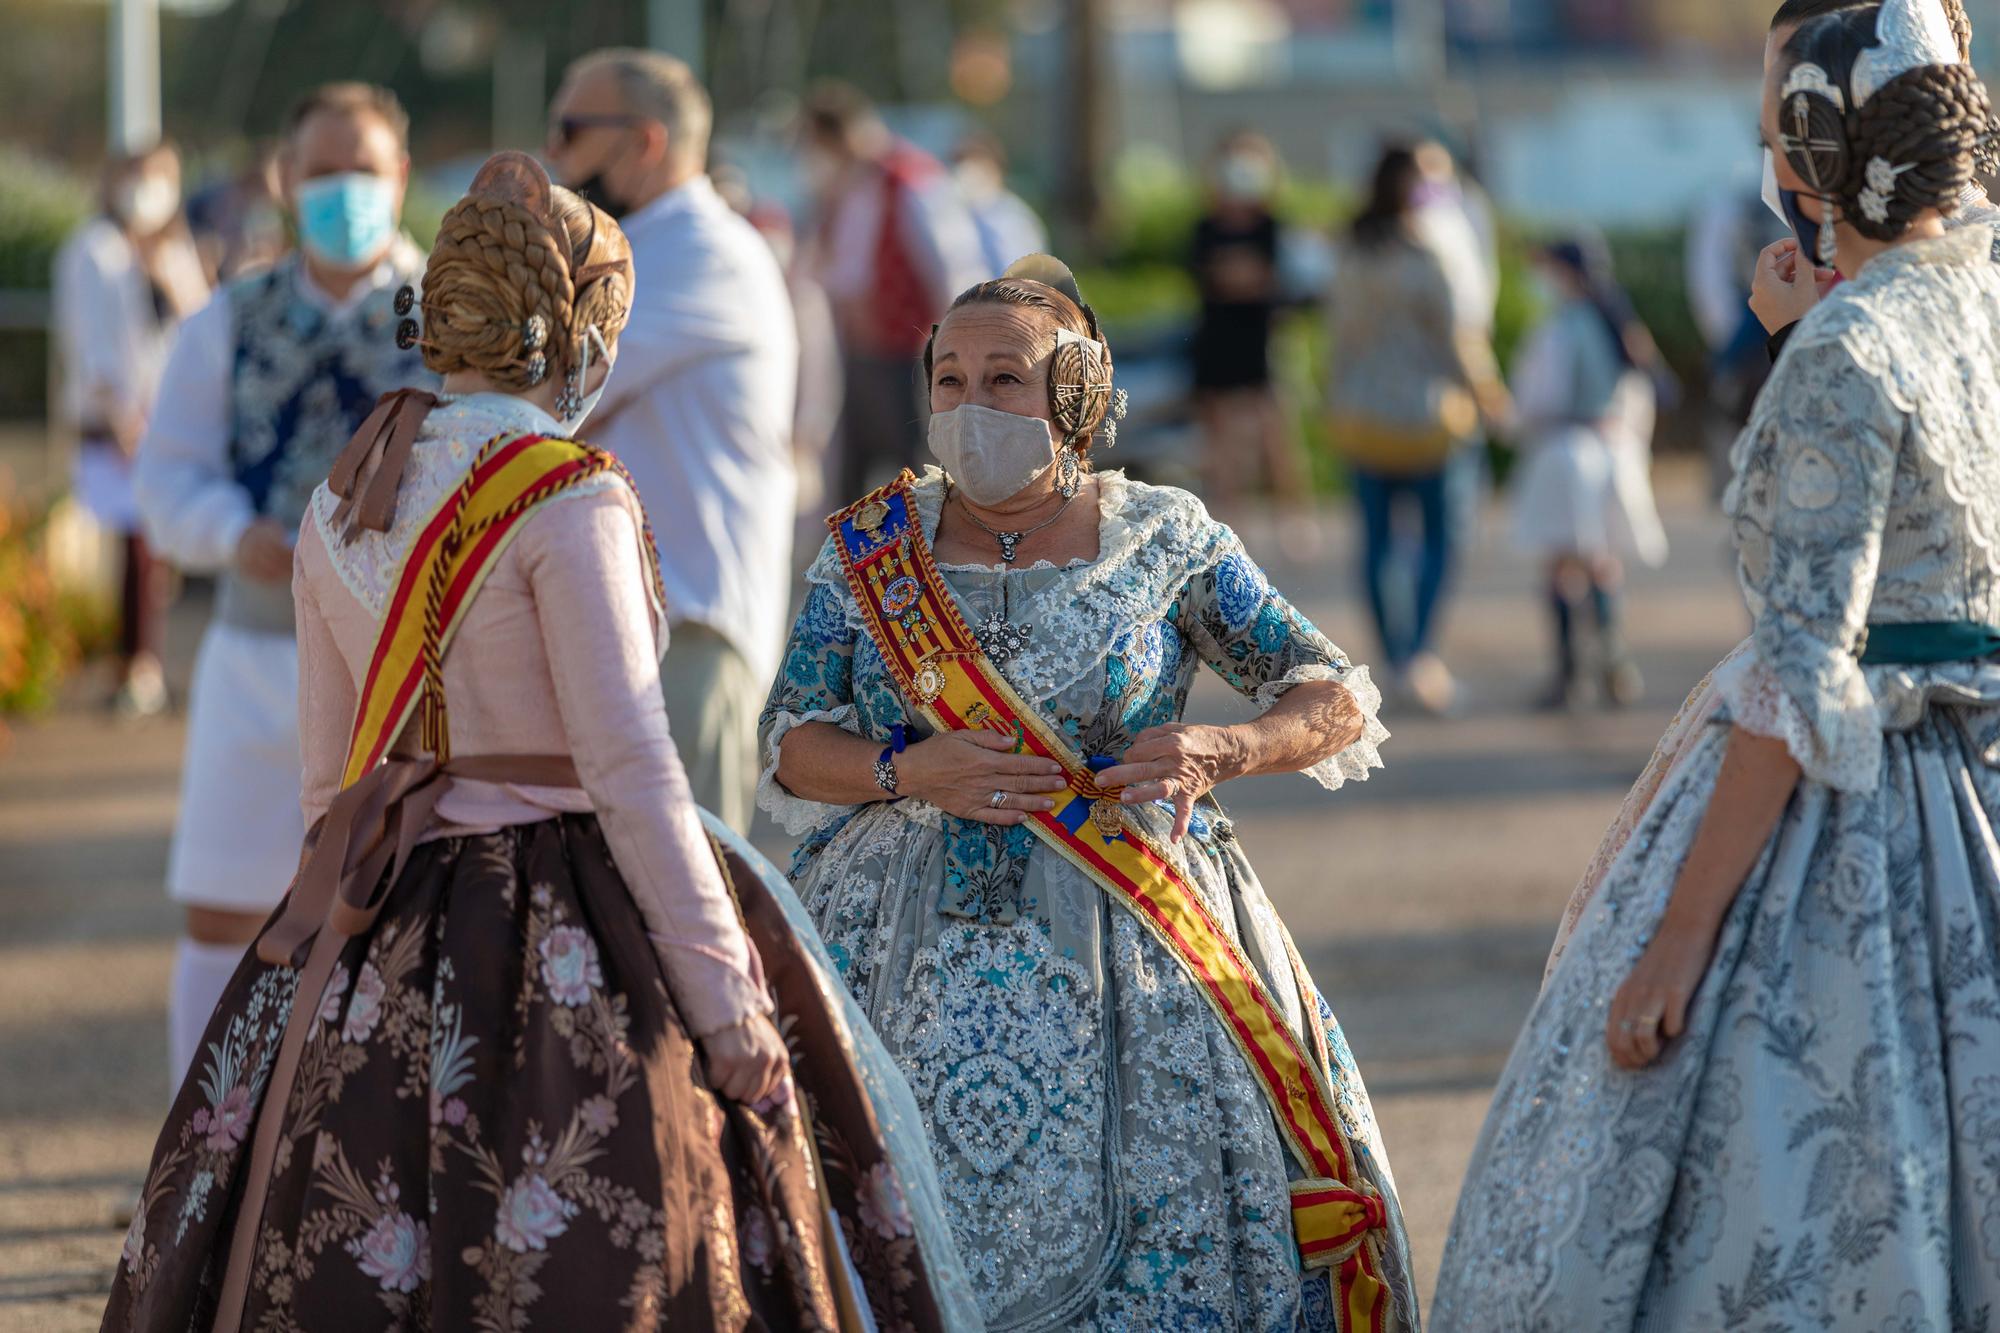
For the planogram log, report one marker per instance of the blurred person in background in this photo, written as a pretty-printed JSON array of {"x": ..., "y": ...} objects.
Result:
[
  {"x": 1584, "y": 406},
  {"x": 239, "y": 222},
  {"x": 1235, "y": 258},
  {"x": 1411, "y": 383},
  {"x": 892, "y": 243},
  {"x": 701, "y": 410},
  {"x": 1455, "y": 218},
  {"x": 123, "y": 283},
  {"x": 1008, "y": 227},
  {"x": 265, "y": 384},
  {"x": 1729, "y": 230}
]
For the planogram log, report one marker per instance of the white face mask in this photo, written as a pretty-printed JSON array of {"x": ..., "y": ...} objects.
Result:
[
  {"x": 594, "y": 342},
  {"x": 1770, "y": 193},
  {"x": 146, "y": 204},
  {"x": 991, "y": 455}
]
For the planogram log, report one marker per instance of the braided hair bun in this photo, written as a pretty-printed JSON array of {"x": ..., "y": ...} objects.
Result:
[
  {"x": 520, "y": 272},
  {"x": 1912, "y": 147}
]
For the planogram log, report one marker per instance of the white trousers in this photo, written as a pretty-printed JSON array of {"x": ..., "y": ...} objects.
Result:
[{"x": 237, "y": 838}]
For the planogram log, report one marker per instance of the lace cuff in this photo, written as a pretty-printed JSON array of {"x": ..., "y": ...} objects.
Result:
[
  {"x": 1829, "y": 722},
  {"x": 1351, "y": 764},
  {"x": 795, "y": 814}
]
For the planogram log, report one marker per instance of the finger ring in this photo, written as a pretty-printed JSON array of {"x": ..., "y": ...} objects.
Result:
[
  {"x": 1651, "y": 1020},
  {"x": 1627, "y": 1025},
  {"x": 997, "y": 800}
]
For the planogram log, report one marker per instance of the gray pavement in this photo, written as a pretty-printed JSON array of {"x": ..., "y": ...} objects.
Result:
[{"x": 1424, "y": 900}]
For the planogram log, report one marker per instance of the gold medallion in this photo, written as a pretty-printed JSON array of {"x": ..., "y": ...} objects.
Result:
[
  {"x": 872, "y": 516},
  {"x": 1108, "y": 817},
  {"x": 928, "y": 682}
]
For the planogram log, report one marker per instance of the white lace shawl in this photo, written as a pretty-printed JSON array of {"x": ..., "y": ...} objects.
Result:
[
  {"x": 1151, "y": 541},
  {"x": 450, "y": 438}
]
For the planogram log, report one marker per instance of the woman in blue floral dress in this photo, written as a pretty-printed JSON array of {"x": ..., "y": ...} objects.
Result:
[{"x": 1108, "y": 1161}]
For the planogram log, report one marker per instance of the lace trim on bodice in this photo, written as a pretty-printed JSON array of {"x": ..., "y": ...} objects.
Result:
[
  {"x": 1887, "y": 318},
  {"x": 1151, "y": 541},
  {"x": 451, "y": 437}
]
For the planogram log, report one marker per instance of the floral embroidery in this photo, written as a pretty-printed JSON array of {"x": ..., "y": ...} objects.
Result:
[
  {"x": 531, "y": 1215},
  {"x": 569, "y": 966}
]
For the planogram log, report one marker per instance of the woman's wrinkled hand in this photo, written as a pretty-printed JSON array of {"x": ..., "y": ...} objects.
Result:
[
  {"x": 748, "y": 1062},
  {"x": 1651, "y": 1008},
  {"x": 1784, "y": 290},
  {"x": 959, "y": 772},
  {"x": 1177, "y": 762}
]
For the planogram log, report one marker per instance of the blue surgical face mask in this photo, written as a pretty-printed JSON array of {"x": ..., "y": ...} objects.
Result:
[
  {"x": 346, "y": 220},
  {"x": 1785, "y": 203}
]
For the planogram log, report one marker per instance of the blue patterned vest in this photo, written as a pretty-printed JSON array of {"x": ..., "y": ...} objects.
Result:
[{"x": 302, "y": 380}]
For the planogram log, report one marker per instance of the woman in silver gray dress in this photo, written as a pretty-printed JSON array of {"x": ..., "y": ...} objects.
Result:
[{"x": 1761, "y": 1088}]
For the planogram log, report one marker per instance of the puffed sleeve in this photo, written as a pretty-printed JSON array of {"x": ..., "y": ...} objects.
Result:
[
  {"x": 584, "y": 563},
  {"x": 815, "y": 684},
  {"x": 327, "y": 696},
  {"x": 1257, "y": 641},
  {"x": 1810, "y": 499}
]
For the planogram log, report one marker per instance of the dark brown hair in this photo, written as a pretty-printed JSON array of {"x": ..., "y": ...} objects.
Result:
[{"x": 1931, "y": 124}]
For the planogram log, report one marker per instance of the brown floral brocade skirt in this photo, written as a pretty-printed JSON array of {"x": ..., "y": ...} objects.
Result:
[{"x": 499, "y": 1123}]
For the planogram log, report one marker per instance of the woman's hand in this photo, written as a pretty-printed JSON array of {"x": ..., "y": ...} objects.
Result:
[
  {"x": 1650, "y": 1009},
  {"x": 1783, "y": 291},
  {"x": 747, "y": 1062},
  {"x": 959, "y": 772},
  {"x": 1175, "y": 762}
]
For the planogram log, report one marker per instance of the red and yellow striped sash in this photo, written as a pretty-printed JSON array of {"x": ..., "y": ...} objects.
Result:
[
  {"x": 451, "y": 557},
  {"x": 1339, "y": 1219}
]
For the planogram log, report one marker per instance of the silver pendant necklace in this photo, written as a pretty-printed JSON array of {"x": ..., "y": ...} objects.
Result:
[{"x": 1011, "y": 541}]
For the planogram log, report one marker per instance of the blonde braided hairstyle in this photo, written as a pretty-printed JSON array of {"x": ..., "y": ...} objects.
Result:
[{"x": 521, "y": 271}]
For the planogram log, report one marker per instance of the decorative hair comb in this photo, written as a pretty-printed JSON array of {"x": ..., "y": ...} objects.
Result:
[{"x": 1909, "y": 34}]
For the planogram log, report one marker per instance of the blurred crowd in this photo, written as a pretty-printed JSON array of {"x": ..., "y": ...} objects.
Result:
[{"x": 826, "y": 313}]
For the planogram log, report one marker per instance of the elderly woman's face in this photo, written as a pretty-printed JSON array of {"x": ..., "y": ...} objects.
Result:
[{"x": 993, "y": 355}]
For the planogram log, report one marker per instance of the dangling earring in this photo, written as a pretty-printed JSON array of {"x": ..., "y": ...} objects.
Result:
[
  {"x": 1828, "y": 245},
  {"x": 569, "y": 399},
  {"x": 1069, "y": 472}
]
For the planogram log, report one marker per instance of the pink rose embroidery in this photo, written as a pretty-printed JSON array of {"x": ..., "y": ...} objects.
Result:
[
  {"x": 336, "y": 991},
  {"x": 569, "y": 965},
  {"x": 531, "y": 1215},
  {"x": 883, "y": 1208},
  {"x": 229, "y": 1121},
  {"x": 364, "y": 1011},
  {"x": 395, "y": 1252},
  {"x": 135, "y": 1241}
]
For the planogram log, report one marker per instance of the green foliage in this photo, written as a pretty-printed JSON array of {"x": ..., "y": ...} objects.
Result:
[
  {"x": 39, "y": 207},
  {"x": 39, "y": 638},
  {"x": 1652, "y": 265}
]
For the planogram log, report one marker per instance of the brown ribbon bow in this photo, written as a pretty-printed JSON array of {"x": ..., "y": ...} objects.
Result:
[{"x": 370, "y": 466}]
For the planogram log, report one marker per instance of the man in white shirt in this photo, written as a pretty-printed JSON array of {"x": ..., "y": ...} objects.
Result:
[
  {"x": 264, "y": 386},
  {"x": 699, "y": 408}
]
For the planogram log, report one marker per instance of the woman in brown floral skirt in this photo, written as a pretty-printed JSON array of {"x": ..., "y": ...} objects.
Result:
[{"x": 508, "y": 1056}]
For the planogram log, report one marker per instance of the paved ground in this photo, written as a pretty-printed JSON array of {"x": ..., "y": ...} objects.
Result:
[{"x": 1424, "y": 901}]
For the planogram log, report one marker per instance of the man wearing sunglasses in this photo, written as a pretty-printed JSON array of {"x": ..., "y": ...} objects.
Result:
[{"x": 699, "y": 408}]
